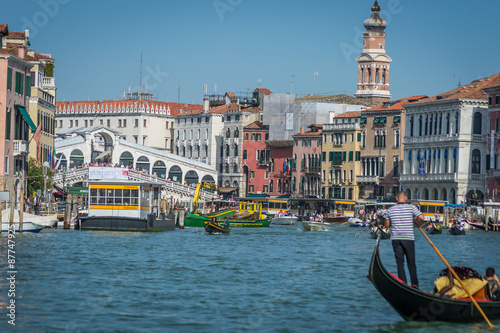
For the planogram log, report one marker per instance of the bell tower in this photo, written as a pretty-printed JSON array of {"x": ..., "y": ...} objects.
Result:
[{"x": 373, "y": 62}]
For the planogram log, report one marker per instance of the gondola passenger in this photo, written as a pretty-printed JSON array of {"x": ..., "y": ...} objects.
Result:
[{"x": 493, "y": 290}]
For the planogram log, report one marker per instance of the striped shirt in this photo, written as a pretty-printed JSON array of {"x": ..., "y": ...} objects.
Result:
[{"x": 401, "y": 217}]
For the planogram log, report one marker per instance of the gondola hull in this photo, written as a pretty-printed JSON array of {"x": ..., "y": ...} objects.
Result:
[
  {"x": 434, "y": 231},
  {"x": 383, "y": 235},
  {"x": 414, "y": 304},
  {"x": 456, "y": 232},
  {"x": 213, "y": 228}
]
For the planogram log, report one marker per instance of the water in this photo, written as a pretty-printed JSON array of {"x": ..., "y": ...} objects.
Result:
[{"x": 277, "y": 279}]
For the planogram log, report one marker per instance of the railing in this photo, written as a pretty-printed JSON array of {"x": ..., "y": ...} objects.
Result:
[
  {"x": 337, "y": 163},
  {"x": 264, "y": 162},
  {"x": 446, "y": 177},
  {"x": 496, "y": 173},
  {"x": 48, "y": 81},
  {"x": 367, "y": 179},
  {"x": 21, "y": 147},
  {"x": 431, "y": 138},
  {"x": 313, "y": 169},
  {"x": 341, "y": 127}
]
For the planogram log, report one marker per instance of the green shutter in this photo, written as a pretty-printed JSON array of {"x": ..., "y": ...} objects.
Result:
[
  {"x": 351, "y": 156},
  {"x": 21, "y": 83},
  {"x": 9, "y": 78},
  {"x": 7, "y": 123},
  {"x": 28, "y": 86},
  {"x": 359, "y": 137},
  {"x": 376, "y": 120},
  {"x": 344, "y": 156},
  {"x": 324, "y": 156}
]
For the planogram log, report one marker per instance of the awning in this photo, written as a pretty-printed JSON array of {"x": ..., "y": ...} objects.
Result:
[
  {"x": 26, "y": 116},
  {"x": 226, "y": 189},
  {"x": 103, "y": 155}
]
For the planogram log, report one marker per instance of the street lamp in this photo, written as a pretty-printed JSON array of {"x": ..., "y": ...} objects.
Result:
[
  {"x": 45, "y": 166},
  {"x": 64, "y": 185}
]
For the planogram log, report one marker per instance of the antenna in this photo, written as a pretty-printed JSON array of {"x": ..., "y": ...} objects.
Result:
[
  {"x": 179, "y": 91},
  {"x": 205, "y": 88},
  {"x": 214, "y": 88},
  {"x": 140, "y": 76},
  {"x": 291, "y": 83},
  {"x": 259, "y": 81},
  {"x": 316, "y": 74}
]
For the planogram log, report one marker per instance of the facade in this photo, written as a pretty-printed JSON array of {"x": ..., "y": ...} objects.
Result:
[
  {"x": 492, "y": 166},
  {"x": 146, "y": 122},
  {"x": 382, "y": 149},
  {"x": 256, "y": 158},
  {"x": 279, "y": 167},
  {"x": 445, "y": 144},
  {"x": 340, "y": 167},
  {"x": 373, "y": 62},
  {"x": 306, "y": 162},
  {"x": 15, "y": 124}
]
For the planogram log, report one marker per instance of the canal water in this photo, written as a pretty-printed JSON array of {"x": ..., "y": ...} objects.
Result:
[{"x": 277, "y": 279}]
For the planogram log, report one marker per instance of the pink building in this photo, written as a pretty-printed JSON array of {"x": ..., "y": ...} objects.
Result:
[
  {"x": 306, "y": 170},
  {"x": 492, "y": 165}
]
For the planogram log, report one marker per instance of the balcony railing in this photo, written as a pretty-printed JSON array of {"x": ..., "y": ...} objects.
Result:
[
  {"x": 264, "y": 162},
  {"x": 21, "y": 147},
  {"x": 313, "y": 169},
  {"x": 48, "y": 82},
  {"x": 367, "y": 179},
  {"x": 337, "y": 163},
  {"x": 496, "y": 173}
]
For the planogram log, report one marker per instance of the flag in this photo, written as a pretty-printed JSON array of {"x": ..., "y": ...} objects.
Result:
[
  {"x": 421, "y": 169},
  {"x": 53, "y": 159},
  {"x": 36, "y": 137},
  {"x": 49, "y": 159}
]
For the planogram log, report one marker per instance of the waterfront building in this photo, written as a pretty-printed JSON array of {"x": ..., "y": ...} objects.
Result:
[
  {"x": 373, "y": 62},
  {"x": 445, "y": 144},
  {"x": 16, "y": 123},
  {"x": 382, "y": 149},
  {"x": 341, "y": 154},
  {"x": 493, "y": 145},
  {"x": 143, "y": 121},
  {"x": 306, "y": 162},
  {"x": 256, "y": 159}
]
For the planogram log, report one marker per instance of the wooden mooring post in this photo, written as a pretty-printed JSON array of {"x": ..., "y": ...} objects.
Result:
[{"x": 21, "y": 211}]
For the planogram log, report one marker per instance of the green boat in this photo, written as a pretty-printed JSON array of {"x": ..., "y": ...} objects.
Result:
[{"x": 249, "y": 215}]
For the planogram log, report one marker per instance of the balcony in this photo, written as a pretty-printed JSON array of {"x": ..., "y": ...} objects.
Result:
[
  {"x": 48, "y": 82},
  {"x": 21, "y": 147},
  {"x": 264, "y": 162},
  {"x": 368, "y": 179},
  {"x": 341, "y": 127},
  {"x": 313, "y": 169},
  {"x": 496, "y": 174},
  {"x": 430, "y": 139},
  {"x": 336, "y": 164},
  {"x": 426, "y": 178}
]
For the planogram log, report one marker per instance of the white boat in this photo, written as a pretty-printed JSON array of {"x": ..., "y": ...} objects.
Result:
[
  {"x": 284, "y": 219},
  {"x": 354, "y": 222},
  {"x": 42, "y": 220},
  {"x": 27, "y": 227},
  {"x": 316, "y": 226}
]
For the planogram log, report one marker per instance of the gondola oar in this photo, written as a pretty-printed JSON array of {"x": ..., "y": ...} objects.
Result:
[
  {"x": 369, "y": 225},
  {"x": 456, "y": 277}
]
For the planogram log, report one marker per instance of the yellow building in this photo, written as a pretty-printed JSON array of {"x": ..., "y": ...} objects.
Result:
[
  {"x": 341, "y": 156},
  {"x": 42, "y": 105}
]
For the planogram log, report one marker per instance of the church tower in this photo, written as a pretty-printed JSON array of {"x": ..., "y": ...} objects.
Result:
[{"x": 373, "y": 62}]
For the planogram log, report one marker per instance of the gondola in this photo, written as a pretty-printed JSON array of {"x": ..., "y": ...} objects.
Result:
[
  {"x": 383, "y": 235},
  {"x": 456, "y": 232},
  {"x": 215, "y": 228},
  {"x": 414, "y": 304},
  {"x": 434, "y": 231}
]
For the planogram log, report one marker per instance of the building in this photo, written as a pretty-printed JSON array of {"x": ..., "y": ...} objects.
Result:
[
  {"x": 493, "y": 145},
  {"x": 341, "y": 154},
  {"x": 373, "y": 62},
  {"x": 382, "y": 149},
  {"x": 256, "y": 159},
  {"x": 306, "y": 162},
  {"x": 16, "y": 123},
  {"x": 145, "y": 122},
  {"x": 445, "y": 144}
]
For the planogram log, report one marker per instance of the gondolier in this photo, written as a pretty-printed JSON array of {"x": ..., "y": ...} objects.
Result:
[{"x": 400, "y": 218}]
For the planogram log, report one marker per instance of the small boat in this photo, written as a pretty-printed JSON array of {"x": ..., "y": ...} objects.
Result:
[
  {"x": 356, "y": 223},
  {"x": 331, "y": 218},
  {"x": 249, "y": 216},
  {"x": 435, "y": 230},
  {"x": 284, "y": 219},
  {"x": 456, "y": 232},
  {"x": 27, "y": 227},
  {"x": 482, "y": 226},
  {"x": 316, "y": 226},
  {"x": 414, "y": 304},
  {"x": 216, "y": 228},
  {"x": 379, "y": 231}
]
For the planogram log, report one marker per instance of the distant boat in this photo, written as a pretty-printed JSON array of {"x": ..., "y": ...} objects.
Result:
[
  {"x": 456, "y": 232},
  {"x": 284, "y": 220},
  {"x": 215, "y": 228},
  {"x": 42, "y": 220},
  {"x": 330, "y": 218},
  {"x": 435, "y": 230},
  {"x": 316, "y": 226},
  {"x": 249, "y": 216},
  {"x": 27, "y": 227},
  {"x": 356, "y": 223}
]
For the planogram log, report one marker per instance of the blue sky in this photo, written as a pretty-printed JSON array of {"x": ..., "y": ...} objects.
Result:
[{"x": 97, "y": 45}]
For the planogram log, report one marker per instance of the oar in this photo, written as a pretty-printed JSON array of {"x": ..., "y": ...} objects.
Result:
[
  {"x": 363, "y": 229},
  {"x": 345, "y": 222},
  {"x": 456, "y": 277}
]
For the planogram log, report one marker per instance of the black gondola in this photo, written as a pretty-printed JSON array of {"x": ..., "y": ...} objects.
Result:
[
  {"x": 414, "y": 304},
  {"x": 434, "y": 231},
  {"x": 456, "y": 232},
  {"x": 215, "y": 228},
  {"x": 383, "y": 235}
]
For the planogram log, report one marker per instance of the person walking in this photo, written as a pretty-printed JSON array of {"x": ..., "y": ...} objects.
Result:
[{"x": 400, "y": 218}]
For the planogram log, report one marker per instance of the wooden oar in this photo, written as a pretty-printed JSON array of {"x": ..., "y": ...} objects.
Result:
[
  {"x": 345, "y": 222},
  {"x": 363, "y": 229},
  {"x": 456, "y": 277}
]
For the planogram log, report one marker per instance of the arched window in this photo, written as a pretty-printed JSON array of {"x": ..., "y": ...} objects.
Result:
[
  {"x": 457, "y": 121},
  {"x": 420, "y": 126},
  {"x": 411, "y": 126},
  {"x": 236, "y": 133},
  {"x": 477, "y": 123},
  {"x": 362, "y": 75},
  {"x": 228, "y": 133},
  {"x": 430, "y": 126},
  {"x": 448, "y": 123},
  {"x": 476, "y": 161},
  {"x": 369, "y": 75},
  {"x": 271, "y": 186},
  {"x": 377, "y": 75},
  {"x": 384, "y": 72}
]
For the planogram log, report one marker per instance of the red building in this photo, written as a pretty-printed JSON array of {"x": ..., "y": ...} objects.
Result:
[
  {"x": 266, "y": 164},
  {"x": 492, "y": 167}
]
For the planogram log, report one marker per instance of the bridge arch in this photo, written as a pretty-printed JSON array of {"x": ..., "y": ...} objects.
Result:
[
  {"x": 126, "y": 159},
  {"x": 76, "y": 158},
  {"x": 191, "y": 177},
  {"x": 143, "y": 164},
  {"x": 159, "y": 169},
  {"x": 62, "y": 161},
  {"x": 175, "y": 174}
]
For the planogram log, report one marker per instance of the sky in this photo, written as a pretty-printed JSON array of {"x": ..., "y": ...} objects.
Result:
[{"x": 298, "y": 46}]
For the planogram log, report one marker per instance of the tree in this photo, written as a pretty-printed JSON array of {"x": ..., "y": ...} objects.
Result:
[{"x": 35, "y": 177}]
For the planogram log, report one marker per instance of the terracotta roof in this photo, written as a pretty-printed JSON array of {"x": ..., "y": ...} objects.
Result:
[
  {"x": 256, "y": 125},
  {"x": 350, "y": 114},
  {"x": 132, "y": 105},
  {"x": 231, "y": 95},
  {"x": 315, "y": 125},
  {"x": 16, "y": 34},
  {"x": 280, "y": 143},
  {"x": 265, "y": 91},
  {"x": 251, "y": 109},
  {"x": 220, "y": 109},
  {"x": 309, "y": 133},
  {"x": 37, "y": 56},
  {"x": 4, "y": 28},
  {"x": 397, "y": 105},
  {"x": 339, "y": 99},
  {"x": 473, "y": 90}
]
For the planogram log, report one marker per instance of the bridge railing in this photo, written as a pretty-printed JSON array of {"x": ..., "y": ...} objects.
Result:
[{"x": 82, "y": 174}]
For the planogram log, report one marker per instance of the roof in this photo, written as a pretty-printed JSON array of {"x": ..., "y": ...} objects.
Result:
[
  {"x": 473, "y": 90},
  {"x": 35, "y": 56},
  {"x": 315, "y": 126},
  {"x": 4, "y": 28},
  {"x": 350, "y": 114},
  {"x": 16, "y": 34},
  {"x": 265, "y": 91},
  {"x": 309, "y": 133},
  {"x": 256, "y": 125},
  {"x": 220, "y": 109},
  {"x": 280, "y": 143},
  {"x": 396, "y": 105},
  {"x": 339, "y": 99},
  {"x": 231, "y": 95},
  {"x": 127, "y": 106}
]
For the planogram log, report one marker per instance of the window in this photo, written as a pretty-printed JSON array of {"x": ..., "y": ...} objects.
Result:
[
  {"x": 351, "y": 156},
  {"x": 91, "y": 123},
  {"x": 476, "y": 161},
  {"x": 396, "y": 139},
  {"x": 108, "y": 123},
  {"x": 265, "y": 188},
  {"x": 9, "y": 78},
  {"x": 124, "y": 123},
  {"x": 119, "y": 123},
  {"x": 246, "y": 137},
  {"x": 252, "y": 174},
  {"x": 61, "y": 124},
  {"x": 145, "y": 123},
  {"x": 135, "y": 138},
  {"x": 352, "y": 137},
  {"x": 76, "y": 123},
  {"x": 245, "y": 154},
  {"x": 490, "y": 100},
  {"x": 70, "y": 123},
  {"x": 6, "y": 169},
  {"x": 136, "y": 123},
  {"x": 250, "y": 188},
  {"x": 477, "y": 123},
  {"x": 497, "y": 99},
  {"x": 396, "y": 166}
]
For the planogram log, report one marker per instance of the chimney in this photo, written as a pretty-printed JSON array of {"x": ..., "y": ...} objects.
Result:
[
  {"x": 21, "y": 52},
  {"x": 206, "y": 105},
  {"x": 302, "y": 130}
]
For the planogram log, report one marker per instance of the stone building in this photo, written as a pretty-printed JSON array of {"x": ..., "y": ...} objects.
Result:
[{"x": 306, "y": 162}]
